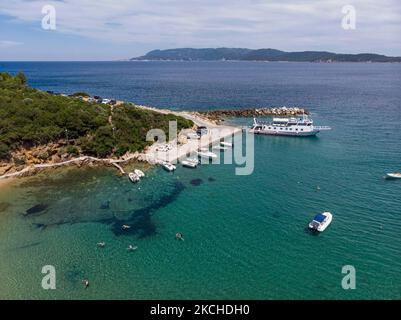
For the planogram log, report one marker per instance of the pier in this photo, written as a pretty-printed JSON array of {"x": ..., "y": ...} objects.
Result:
[{"x": 219, "y": 115}]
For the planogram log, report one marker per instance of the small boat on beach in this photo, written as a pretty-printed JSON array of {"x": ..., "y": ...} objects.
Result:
[
  {"x": 321, "y": 221},
  {"x": 393, "y": 175},
  {"x": 133, "y": 177},
  {"x": 205, "y": 153},
  {"x": 190, "y": 163},
  {"x": 168, "y": 166}
]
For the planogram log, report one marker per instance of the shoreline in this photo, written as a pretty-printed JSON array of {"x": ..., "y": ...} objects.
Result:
[{"x": 150, "y": 155}]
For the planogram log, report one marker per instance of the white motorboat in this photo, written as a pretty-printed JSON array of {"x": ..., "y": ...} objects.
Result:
[
  {"x": 205, "y": 153},
  {"x": 133, "y": 177},
  {"x": 139, "y": 173},
  {"x": 190, "y": 163},
  {"x": 226, "y": 144},
  {"x": 168, "y": 166},
  {"x": 393, "y": 175},
  {"x": 321, "y": 221}
]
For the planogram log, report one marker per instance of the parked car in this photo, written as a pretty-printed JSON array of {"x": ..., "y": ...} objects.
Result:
[
  {"x": 202, "y": 130},
  {"x": 193, "y": 135}
]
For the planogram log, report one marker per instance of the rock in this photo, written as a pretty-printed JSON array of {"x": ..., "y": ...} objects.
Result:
[
  {"x": 56, "y": 158},
  {"x": 19, "y": 160},
  {"x": 43, "y": 155},
  {"x": 219, "y": 114},
  {"x": 5, "y": 169}
]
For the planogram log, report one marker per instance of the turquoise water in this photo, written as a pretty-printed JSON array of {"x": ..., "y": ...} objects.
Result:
[{"x": 245, "y": 236}]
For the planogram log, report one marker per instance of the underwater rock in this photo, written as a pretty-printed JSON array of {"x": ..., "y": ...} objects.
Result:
[
  {"x": 4, "y": 206},
  {"x": 140, "y": 220},
  {"x": 40, "y": 226},
  {"x": 196, "y": 182},
  {"x": 36, "y": 209},
  {"x": 211, "y": 179},
  {"x": 105, "y": 205}
]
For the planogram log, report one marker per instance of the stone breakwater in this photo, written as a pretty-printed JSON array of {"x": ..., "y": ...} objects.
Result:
[{"x": 219, "y": 115}]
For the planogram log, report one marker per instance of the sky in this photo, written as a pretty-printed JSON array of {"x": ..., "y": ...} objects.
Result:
[{"x": 121, "y": 29}]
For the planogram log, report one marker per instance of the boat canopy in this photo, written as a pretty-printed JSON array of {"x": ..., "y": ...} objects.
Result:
[
  {"x": 319, "y": 217},
  {"x": 280, "y": 119}
]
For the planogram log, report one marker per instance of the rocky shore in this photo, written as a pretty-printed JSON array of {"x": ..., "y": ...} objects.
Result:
[
  {"x": 219, "y": 115},
  {"x": 27, "y": 162}
]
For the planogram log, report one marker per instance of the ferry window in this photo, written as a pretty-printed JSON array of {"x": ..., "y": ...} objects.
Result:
[
  {"x": 290, "y": 128},
  {"x": 296, "y": 129},
  {"x": 302, "y": 129},
  {"x": 270, "y": 127},
  {"x": 274, "y": 128}
]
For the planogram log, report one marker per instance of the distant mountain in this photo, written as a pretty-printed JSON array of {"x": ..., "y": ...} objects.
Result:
[{"x": 211, "y": 54}]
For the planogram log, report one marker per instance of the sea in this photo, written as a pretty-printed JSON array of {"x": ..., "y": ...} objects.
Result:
[{"x": 245, "y": 236}]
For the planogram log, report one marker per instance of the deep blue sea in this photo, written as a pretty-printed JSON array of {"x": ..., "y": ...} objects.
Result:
[{"x": 245, "y": 236}]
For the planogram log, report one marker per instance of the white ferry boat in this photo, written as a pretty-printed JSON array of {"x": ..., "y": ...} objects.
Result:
[{"x": 299, "y": 127}]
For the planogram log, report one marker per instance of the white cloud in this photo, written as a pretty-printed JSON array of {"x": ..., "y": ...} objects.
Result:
[
  {"x": 285, "y": 24},
  {"x": 9, "y": 44}
]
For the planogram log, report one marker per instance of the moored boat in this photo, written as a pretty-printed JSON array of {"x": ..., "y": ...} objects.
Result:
[
  {"x": 133, "y": 177},
  {"x": 226, "y": 144},
  {"x": 321, "y": 221},
  {"x": 190, "y": 163},
  {"x": 168, "y": 166},
  {"x": 393, "y": 175},
  {"x": 298, "y": 127},
  {"x": 220, "y": 148},
  {"x": 205, "y": 153},
  {"x": 139, "y": 173}
]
